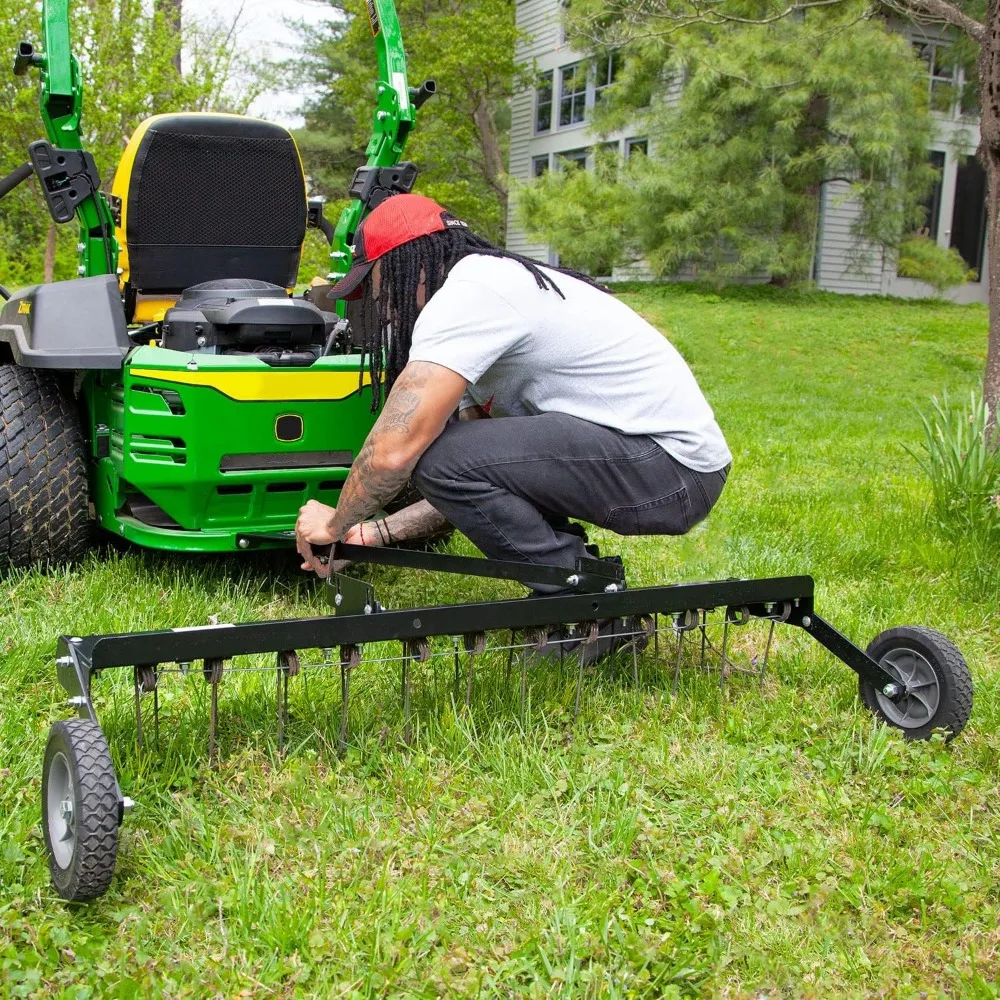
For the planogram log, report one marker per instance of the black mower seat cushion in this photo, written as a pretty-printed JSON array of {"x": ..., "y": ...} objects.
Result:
[{"x": 211, "y": 196}]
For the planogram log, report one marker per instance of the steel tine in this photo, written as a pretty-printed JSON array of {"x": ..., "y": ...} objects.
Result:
[
  {"x": 138, "y": 707},
  {"x": 524, "y": 681},
  {"x": 704, "y": 639},
  {"x": 579, "y": 683},
  {"x": 156, "y": 715},
  {"x": 212, "y": 671},
  {"x": 457, "y": 663},
  {"x": 510, "y": 657},
  {"x": 279, "y": 706},
  {"x": 475, "y": 643},
  {"x": 350, "y": 657},
  {"x": 635, "y": 657},
  {"x": 656, "y": 634},
  {"x": 405, "y": 683},
  {"x": 723, "y": 672},
  {"x": 767, "y": 652},
  {"x": 677, "y": 664}
]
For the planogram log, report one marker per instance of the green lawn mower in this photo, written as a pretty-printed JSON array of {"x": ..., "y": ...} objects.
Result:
[{"x": 177, "y": 392}]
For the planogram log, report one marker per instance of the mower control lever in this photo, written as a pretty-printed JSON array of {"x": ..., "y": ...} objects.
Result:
[
  {"x": 15, "y": 177},
  {"x": 25, "y": 57},
  {"x": 419, "y": 95}
]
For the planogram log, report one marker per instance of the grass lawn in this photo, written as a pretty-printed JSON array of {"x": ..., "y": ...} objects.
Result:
[{"x": 729, "y": 843}]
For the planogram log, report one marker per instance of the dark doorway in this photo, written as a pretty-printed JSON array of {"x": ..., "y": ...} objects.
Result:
[
  {"x": 932, "y": 204},
  {"x": 968, "y": 224}
]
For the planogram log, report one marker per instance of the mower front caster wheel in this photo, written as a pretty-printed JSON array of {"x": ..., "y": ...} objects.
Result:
[
  {"x": 80, "y": 809},
  {"x": 933, "y": 677}
]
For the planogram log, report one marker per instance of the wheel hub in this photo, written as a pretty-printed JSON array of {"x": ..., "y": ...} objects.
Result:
[
  {"x": 60, "y": 811},
  {"x": 918, "y": 682}
]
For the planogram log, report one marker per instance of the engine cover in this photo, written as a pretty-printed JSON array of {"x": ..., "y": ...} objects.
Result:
[{"x": 245, "y": 315}]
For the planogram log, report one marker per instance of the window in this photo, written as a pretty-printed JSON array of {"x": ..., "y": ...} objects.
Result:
[
  {"x": 607, "y": 160},
  {"x": 574, "y": 158},
  {"x": 633, "y": 146},
  {"x": 943, "y": 74},
  {"x": 932, "y": 205},
  {"x": 605, "y": 71},
  {"x": 543, "y": 103},
  {"x": 539, "y": 165},
  {"x": 572, "y": 94}
]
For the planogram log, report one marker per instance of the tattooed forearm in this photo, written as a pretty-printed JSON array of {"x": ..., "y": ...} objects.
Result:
[
  {"x": 416, "y": 521},
  {"x": 379, "y": 472}
]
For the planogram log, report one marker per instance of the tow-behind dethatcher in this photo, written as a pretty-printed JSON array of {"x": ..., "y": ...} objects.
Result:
[{"x": 912, "y": 677}]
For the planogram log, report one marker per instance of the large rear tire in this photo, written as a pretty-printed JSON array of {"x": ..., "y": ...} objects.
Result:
[{"x": 43, "y": 471}]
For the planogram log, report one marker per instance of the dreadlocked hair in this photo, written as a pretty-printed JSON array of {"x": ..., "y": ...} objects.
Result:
[{"x": 387, "y": 326}]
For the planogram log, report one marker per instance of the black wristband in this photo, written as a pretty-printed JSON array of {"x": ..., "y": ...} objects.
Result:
[{"x": 387, "y": 531}]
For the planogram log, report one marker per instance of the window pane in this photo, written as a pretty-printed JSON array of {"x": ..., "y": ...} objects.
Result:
[
  {"x": 636, "y": 146},
  {"x": 543, "y": 103},
  {"x": 606, "y": 70},
  {"x": 539, "y": 166},
  {"x": 932, "y": 204},
  {"x": 572, "y": 94},
  {"x": 574, "y": 158}
]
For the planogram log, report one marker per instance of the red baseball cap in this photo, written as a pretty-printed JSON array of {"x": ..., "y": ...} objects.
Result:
[{"x": 397, "y": 220}]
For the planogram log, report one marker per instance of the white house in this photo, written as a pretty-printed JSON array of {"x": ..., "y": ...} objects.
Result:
[{"x": 549, "y": 124}]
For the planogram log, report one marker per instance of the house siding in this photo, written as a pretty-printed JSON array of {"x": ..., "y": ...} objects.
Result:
[{"x": 840, "y": 264}]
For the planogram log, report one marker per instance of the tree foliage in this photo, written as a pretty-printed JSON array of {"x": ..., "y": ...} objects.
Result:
[
  {"x": 127, "y": 60},
  {"x": 460, "y": 143},
  {"x": 756, "y": 120}
]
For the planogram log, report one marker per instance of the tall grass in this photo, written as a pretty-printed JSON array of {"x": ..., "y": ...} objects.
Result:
[{"x": 961, "y": 457}]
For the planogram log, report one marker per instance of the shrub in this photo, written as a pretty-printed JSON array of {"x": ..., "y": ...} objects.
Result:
[
  {"x": 962, "y": 460},
  {"x": 921, "y": 258}
]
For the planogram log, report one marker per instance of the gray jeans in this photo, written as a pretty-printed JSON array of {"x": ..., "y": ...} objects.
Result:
[{"x": 511, "y": 484}]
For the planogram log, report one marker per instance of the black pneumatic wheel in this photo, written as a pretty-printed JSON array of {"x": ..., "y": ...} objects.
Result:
[
  {"x": 43, "y": 472},
  {"x": 80, "y": 809},
  {"x": 935, "y": 679}
]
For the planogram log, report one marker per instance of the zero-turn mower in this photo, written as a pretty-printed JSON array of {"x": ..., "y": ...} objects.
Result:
[{"x": 177, "y": 393}]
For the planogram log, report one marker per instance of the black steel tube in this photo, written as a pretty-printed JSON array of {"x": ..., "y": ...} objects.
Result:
[
  {"x": 225, "y": 641},
  {"x": 17, "y": 176},
  {"x": 845, "y": 651}
]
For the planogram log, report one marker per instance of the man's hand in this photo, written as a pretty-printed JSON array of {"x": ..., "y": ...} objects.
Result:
[{"x": 313, "y": 528}]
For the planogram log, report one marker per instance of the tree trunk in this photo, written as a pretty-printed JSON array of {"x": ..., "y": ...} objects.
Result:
[
  {"x": 50, "y": 253},
  {"x": 492, "y": 150},
  {"x": 989, "y": 101},
  {"x": 171, "y": 10}
]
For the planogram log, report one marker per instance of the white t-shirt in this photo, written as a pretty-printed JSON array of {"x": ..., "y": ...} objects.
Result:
[{"x": 525, "y": 350}]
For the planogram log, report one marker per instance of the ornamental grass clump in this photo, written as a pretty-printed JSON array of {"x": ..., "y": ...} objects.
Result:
[{"x": 961, "y": 456}]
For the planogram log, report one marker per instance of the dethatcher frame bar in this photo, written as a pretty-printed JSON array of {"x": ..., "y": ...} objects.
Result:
[{"x": 81, "y": 658}]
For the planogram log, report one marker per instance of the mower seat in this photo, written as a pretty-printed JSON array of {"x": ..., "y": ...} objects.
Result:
[{"x": 201, "y": 197}]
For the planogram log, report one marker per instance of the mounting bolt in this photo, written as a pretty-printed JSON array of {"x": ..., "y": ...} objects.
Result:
[
  {"x": 382, "y": 115},
  {"x": 75, "y": 638},
  {"x": 80, "y": 269},
  {"x": 891, "y": 690},
  {"x": 806, "y": 621},
  {"x": 611, "y": 588},
  {"x": 64, "y": 661},
  {"x": 184, "y": 666},
  {"x": 338, "y": 600},
  {"x": 368, "y": 609},
  {"x": 573, "y": 579},
  {"x": 201, "y": 341},
  {"x": 66, "y": 811},
  {"x": 243, "y": 543},
  {"x": 127, "y": 804},
  {"x": 120, "y": 271},
  {"x": 77, "y": 701},
  {"x": 80, "y": 247}
]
